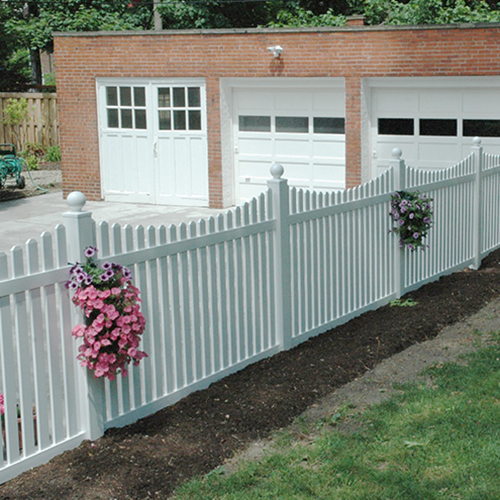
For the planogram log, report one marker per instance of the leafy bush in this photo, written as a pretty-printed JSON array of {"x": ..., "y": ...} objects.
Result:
[
  {"x": 53, "y": 154},
  {"x": 32, "y": 153}
]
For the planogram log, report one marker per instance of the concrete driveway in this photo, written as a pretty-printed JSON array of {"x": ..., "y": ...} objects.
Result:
[{"x": 27, "y": 218}]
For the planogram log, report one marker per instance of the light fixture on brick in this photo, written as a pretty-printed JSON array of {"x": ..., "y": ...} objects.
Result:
[{"x": 276, "y": 50}]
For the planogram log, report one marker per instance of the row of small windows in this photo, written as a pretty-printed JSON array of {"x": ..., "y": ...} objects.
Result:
[
  {"x": 179, "y": 108},
  {"x": 292, "y": 124},
  {"x": 438, "y": 127}
]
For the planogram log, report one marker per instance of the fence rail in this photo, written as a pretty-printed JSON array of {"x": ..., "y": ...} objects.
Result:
[
  {"x": 40, "y": 127},
  {"x": 221, "y": 293}
]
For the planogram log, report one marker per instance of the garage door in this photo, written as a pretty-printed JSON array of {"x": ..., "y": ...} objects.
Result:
[
  {"x": 434, "y": 127},
  {"x": 153, "y": 142},
  {"x": 301, "y": 129}
]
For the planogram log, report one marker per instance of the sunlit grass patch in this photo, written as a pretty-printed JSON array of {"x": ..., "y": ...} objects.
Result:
[{"x": 431, "y": 441}]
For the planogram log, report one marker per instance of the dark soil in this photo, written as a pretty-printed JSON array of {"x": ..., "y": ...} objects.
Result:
[{"x": 151, "y": 457}]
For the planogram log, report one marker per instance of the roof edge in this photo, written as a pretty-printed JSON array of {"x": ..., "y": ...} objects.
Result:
[{"x": 256, "y": 31}]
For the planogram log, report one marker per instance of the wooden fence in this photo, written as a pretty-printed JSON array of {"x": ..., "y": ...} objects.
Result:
[
  {"x": 221, "y": 293},
  {"x": 40, "y": 127}
]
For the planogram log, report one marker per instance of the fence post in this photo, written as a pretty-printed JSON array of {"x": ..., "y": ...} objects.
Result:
[
  {"x": 80, "y": 233},
  {"x": 477, "y": 225},
  {"x": 282, "y": 281},
  {"x": 399, "y": 184}
]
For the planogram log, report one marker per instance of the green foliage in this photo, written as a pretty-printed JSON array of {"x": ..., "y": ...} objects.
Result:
[
  {"x": 32, "y": 153},
  {"x": 15, "y": 112},
  {"x": 189, "y": 14},
  {"x": 417, "y": 12},
  {"x": 53, "y": 154},
  {"x": 299, "y": 17},
  {"x": 34, "y": 29}
]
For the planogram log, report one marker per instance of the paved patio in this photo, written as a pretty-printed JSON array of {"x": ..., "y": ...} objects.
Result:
[{"x": 27, "y": 218}]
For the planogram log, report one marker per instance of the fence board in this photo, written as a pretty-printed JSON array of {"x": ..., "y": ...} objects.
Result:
[{"x": 42, "y": 124}]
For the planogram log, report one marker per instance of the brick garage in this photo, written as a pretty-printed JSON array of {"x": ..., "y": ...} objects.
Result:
[{"x": 359, "y": 59}]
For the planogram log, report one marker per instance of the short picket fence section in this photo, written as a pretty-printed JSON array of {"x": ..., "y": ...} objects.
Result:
[{"x": 220, "y": 294}]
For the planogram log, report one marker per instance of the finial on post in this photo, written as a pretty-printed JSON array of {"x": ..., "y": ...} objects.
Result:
[
  {"x": 76, "y": 201},
  {"x": 476, "y": 141},
  {"x": 396, "y": 153},
  {"x": 277, "y": 171}
]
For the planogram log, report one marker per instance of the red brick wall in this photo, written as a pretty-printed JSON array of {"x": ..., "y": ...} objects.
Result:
[{"x": 352, "y": 53}]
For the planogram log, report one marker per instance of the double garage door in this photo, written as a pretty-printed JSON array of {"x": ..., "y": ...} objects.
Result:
[
  {"x": 433, "y": 121},
  {"x": 303, "y": 129},
  {"x": 153, "y": 141}
]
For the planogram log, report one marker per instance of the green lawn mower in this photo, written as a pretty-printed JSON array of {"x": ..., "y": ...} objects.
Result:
[{"x": 11, "y": 165}]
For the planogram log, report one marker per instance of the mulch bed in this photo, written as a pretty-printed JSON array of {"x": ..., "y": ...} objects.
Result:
[{"x": 151, "y": 457}]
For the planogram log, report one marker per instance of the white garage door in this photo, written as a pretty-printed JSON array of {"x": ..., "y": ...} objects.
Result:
[
  {"x": 301, "y": 129},
  {"x": 434, "y": 127},
  {"x": 153, "y": 142}
]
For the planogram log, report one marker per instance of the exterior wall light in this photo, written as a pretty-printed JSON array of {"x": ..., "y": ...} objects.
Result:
[{"x": 275, "y": 50}]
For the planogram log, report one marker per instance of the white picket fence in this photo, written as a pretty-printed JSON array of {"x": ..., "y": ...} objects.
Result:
[{"x": 221, "y": 293}]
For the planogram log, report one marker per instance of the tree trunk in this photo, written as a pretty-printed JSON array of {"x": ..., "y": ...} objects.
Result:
[{"x": 36, "y": 67}]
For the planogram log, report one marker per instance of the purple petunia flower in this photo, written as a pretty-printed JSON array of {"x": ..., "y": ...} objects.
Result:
[
  {"x": 107, "y": 265},
  {"x": 127, "y": 273},
  {"x": 90, "y": 252},
  {"x": 412, "y": 216},
  {"x": 426, "y": 220},
  {"x": 416, "y": 235},
  {"x": 104, "y": 277},
  {"x": 109, "y": 273},
  {"x": 401, "y": 222}
]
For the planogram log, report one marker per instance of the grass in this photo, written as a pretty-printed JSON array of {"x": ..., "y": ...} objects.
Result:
[{"x": 437, "y": 440}]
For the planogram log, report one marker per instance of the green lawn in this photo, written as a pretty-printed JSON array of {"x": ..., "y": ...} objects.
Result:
[{"x": 433, "y": 441}]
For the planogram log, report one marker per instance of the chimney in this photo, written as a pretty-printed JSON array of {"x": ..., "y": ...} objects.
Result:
[{"x": 357, "y": 20}]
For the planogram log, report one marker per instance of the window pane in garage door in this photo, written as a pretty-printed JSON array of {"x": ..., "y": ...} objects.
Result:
[
  {"x": 194, "y": 120},
  {"x": 163, "y": 97},
  {"x": 482, "y": 128},
  {"x": 125, "y": 96},
  {"x": 329, "y": 126},
  {"x": 438, "y": 127},
  {"x": 140, "y": 119},
  {"x": 194, "y": 98},
  {"x": 395, "y": 126},
  {"x": 164, "y": 119},
  {"x": 111, "y": 96},
  {"x": 179, "y": 97},
  {"x": 292, "y": 124},
  {"x": 254, "y": 123},
  {"x": 139, "y": 96}
]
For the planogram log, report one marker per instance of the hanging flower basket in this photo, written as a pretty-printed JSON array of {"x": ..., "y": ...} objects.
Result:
[
  {"x": 113, "y": 320},
  {"x": 412, "y": 216}
]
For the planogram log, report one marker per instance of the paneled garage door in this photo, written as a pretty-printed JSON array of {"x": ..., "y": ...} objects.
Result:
[
  {"x": 301, "y": 129},
  {"x": 434, "y": 126},
  {"x": 153, "y": 141}
]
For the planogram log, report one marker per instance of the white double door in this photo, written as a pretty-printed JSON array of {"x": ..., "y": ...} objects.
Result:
[{"x": 153, "y": 141}]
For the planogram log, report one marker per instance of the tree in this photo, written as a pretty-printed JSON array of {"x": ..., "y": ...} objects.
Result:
[
  {"x": 32, "y": 23},
  {"x": 14, "y": 62}
]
